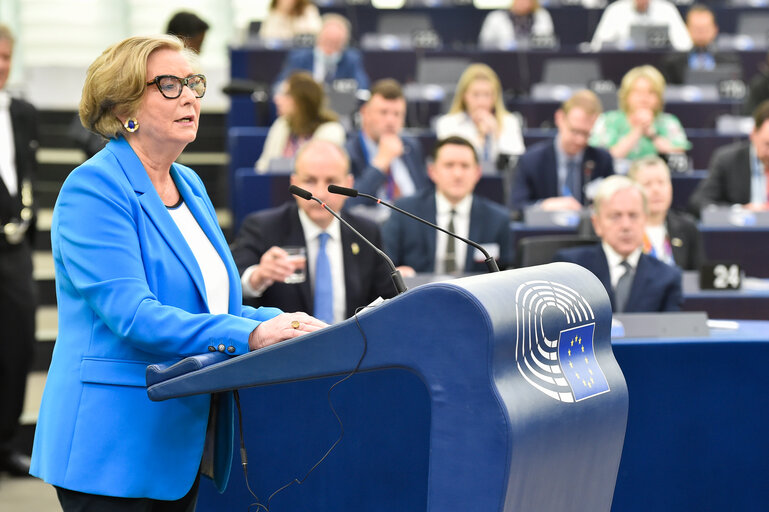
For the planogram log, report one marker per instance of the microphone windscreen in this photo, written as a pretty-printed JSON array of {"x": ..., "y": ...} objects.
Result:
[
  {"x": 349, "y": 192},
  {"x": 298, "y": 191}
]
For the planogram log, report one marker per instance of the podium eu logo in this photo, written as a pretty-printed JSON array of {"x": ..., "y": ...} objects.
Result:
[{"x": 578, "y": 363}]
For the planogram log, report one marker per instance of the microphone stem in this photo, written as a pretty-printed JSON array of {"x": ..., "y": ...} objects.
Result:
[{"x": 395, "y": 274}]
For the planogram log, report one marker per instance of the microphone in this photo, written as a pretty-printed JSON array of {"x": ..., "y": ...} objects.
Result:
[
  {"x": 351, "y": 192},
  {"x": 395, "y": 274}
]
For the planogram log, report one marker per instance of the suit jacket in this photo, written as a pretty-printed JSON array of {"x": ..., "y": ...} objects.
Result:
[
  {"x": 674, "y": 65},
  {"x": 536, "y": 176},
  {"x": 350, "y": 65},
  {"x": 368, "y": 179},
  {"x": 656, "y": 285},
  {"x": 24, "y": 124},
  {"x": 685, "y": 240},
  {"x": 728, "y": 179},
  {"x": 130, "y": 293},
  {"x": 412, "y": 243},
  {"x": 366, "y": 274}
]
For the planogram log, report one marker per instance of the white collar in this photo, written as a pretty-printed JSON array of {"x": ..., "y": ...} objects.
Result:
[
  {"x": 444, "y": 206},
  {"x": 614, "y": 259},
  {"x": 312, "y": 230},
  {"x": 5, "y": 100}
]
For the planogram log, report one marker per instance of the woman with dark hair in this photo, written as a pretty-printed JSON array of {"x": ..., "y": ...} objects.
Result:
[
  {"x": 290, "y": 18},
  {"x": 302, "y": 116}
]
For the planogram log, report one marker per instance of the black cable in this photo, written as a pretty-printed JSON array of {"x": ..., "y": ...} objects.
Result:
[{"x": 244, "y": 458}]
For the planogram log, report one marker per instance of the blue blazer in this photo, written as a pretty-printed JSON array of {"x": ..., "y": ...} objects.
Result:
[
  {"x": 130, "y": 293},
  {"x": 656, "y": 285},
  {"x": 409, "y": 242},
  {"x": 368, "y": 179},
  {"x": 536, "y": 176},
  {"x": 350, "y": 65}
]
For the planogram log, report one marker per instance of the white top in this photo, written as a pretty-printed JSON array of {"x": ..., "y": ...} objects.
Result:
[
  {"x": 498, "y": 30},
  {"x": 461, "y": 227},
  {"x": 212, "y": 267},
  {"x": 616, "y": 270},
  {"x": 279, "y": 26},
  {"x": 336, "y": 261},
  {"x": 615, "y": 23},
  {"x": 277, "y": 138},
  {"x": 7, "y": 148},
  {"x": 509, "y": 141}
]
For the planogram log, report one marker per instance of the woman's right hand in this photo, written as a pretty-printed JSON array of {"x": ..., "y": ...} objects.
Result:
[{"x": 283, "y": 327}]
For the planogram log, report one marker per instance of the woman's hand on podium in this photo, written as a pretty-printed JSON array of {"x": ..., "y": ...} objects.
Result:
[{"x": 283, "y": 327}]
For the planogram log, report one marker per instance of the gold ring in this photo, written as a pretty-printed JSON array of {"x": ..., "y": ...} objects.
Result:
[{"x": 295, "y": 324}]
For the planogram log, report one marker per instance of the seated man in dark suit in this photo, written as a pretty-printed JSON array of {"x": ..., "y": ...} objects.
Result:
[
  {"x": 738, "y": 173},
  {"x": 635, "y": 282},
  {"x": 355, "y": 274},
  {"x": 383, "y": 161},
  {"x": 703, "y": 29},
  {"x": 330, "y": 59},
  {"x": 419, "y": 248},
  {"x": 556, "y": 173},
  {"x": 670, "y": 236}
]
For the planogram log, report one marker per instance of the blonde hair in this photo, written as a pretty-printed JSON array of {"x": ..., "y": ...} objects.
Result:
[
  {"x": 585, "y": 99},
  {"x": 613, "y": 184},
  {"x": 475, "y": 72},
  {"x": 6, "y": 34},
  {"x": 648, "y": 72},
  {"x": 646, "y": 162},
  {"x": 115, "y": 82}
]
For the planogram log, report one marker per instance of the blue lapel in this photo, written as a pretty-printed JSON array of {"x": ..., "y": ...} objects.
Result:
[{"x": 156, "y": 211}]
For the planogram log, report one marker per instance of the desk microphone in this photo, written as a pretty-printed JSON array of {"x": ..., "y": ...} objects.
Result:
[
  {"x": 351, "y": 192},
  {"x": 395, "y": 274}
]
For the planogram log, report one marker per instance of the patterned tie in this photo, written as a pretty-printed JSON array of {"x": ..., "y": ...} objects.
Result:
[
  {"x": 324, "y": 292},
  {"x": 450, "y": 256},
  {"x": 622, "y": 290}
]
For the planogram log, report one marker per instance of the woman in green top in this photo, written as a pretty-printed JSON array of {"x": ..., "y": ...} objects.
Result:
[{"x": 640, "y": 128}]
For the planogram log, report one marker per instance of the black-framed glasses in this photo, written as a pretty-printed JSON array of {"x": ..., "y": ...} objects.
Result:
[{"x": 170, "y": 86}]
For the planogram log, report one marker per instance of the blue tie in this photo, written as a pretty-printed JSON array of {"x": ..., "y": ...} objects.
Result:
[{"x": 324, "y": 292}]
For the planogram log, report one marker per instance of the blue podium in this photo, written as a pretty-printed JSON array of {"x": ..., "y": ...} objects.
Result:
[{"x": 486, "y": 393}]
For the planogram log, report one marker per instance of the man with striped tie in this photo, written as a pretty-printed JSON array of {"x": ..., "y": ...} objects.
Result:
[
  {"x": 342, "y": 273},
  {"x": 635, "y": 282}
]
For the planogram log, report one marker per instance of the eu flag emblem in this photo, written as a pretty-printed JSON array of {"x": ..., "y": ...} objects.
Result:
[{"x": 578, "y": 363}]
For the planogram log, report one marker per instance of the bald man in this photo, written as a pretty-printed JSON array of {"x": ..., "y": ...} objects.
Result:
[{"x": 357, "y": 274}]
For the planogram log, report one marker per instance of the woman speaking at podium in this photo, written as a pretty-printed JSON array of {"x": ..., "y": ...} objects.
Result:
[{"x": 143, "y": 276}]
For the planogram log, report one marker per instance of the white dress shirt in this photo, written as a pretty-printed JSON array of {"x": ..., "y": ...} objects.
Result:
[
  {"x": 7, "y": 147},
  {"x": 461, "y": 227},
  {"x": 616, "y": 270},
  {"x": 211, "y": 265},
  {"x": 618, "y": 17},
  {"x": 335, "y": 259}
]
